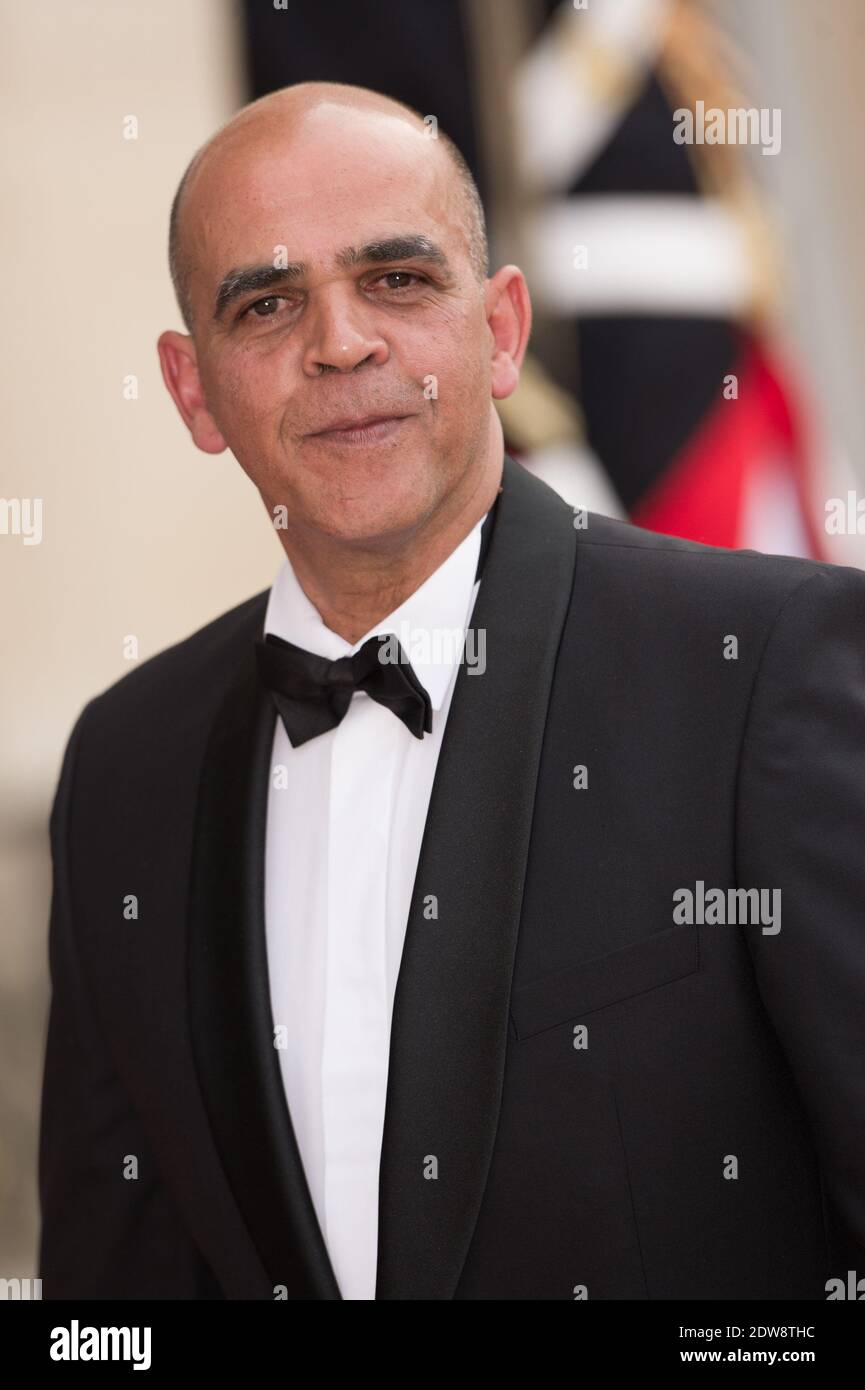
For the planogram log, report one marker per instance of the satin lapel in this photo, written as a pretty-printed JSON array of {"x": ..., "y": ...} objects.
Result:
[
  {"x": 450, "y": 1018},
  {"x": 229, "y": 993}
]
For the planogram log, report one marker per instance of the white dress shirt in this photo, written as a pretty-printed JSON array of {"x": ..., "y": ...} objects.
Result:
[{"x": 345, "y": 818}]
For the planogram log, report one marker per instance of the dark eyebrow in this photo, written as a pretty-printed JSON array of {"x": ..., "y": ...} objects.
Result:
[
  {"x": 396, "y": 248},
  {"x": 248, "y": 280}
]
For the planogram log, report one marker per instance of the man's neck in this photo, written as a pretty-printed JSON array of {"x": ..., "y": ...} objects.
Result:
[{"x": 359, "y": 589}]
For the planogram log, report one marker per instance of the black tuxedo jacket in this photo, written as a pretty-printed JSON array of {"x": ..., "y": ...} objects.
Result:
[{"x": 700, "y": 1135}]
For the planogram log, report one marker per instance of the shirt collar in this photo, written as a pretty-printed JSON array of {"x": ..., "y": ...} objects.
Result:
[{"x": 430, "y": 624}]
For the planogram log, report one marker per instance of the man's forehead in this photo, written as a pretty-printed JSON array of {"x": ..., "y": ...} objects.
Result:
[
  {"x": 296, "y": 231},
  {"x": 270, "y": 169},
  {"x": 323, "y": 214}
]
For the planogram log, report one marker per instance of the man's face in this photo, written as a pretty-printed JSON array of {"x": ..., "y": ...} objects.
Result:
[{"x": 284, "y": 360}]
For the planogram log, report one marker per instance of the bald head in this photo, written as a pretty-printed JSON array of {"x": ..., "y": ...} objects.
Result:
[{"x": 279, "y": 115}]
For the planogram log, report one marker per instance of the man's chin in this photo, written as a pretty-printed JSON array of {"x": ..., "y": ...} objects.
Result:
[
  {"x": 367, "y": 521},
  {"x": 350, "y": 520},
  {"x": 356, "y": 495}
]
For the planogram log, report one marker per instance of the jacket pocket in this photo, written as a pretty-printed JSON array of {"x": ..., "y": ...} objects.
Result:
[{"x": 595, "y": 984}]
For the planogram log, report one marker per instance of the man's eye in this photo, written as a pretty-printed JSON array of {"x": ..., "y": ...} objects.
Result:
[
  {"x": 264, "y": 308},
  {"x": 400, "y": 275}
]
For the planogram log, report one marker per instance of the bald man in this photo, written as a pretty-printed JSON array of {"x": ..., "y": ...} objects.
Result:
[{"x": 477, "y": 912}]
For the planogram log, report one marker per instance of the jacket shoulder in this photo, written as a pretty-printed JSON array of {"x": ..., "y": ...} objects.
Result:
[
  {"x": 672, "y": 564},
  {"x": 189, "y": 669}
]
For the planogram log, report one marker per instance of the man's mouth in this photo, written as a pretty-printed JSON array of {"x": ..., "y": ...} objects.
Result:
[{"x": 364, "y": 429}]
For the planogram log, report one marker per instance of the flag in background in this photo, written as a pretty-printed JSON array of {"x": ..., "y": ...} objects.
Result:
[{"x": 655, "y": 387}]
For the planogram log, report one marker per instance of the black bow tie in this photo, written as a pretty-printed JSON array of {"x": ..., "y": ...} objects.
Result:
[{"x": 312, "y": 694}]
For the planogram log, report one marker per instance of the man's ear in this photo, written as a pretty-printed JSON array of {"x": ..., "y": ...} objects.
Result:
[
  {"x": 180, "y": 373},
  {"x": 509, "y": 315}
]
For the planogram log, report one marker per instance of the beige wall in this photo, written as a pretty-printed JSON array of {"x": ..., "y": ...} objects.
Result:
[{"x": 141, "y": 533}]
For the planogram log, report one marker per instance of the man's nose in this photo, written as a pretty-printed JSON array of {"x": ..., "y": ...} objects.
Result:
[{"x": 341, "y": 334}]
